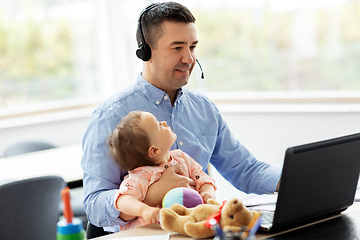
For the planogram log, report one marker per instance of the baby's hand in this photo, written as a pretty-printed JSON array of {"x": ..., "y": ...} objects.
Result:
[
  {"x": 206, "y": 196},
  {"x": 151, "y": 215}
]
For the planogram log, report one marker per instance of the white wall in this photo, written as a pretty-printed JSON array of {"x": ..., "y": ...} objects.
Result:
[
  {"x": 266, "y": 134},
  {"x": 59, "y": 131}
]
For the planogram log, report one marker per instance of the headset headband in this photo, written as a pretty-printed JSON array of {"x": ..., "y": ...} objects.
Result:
[{"x": 144, "y": 51}]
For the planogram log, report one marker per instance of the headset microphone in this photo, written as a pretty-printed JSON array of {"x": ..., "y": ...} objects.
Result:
[{"x": 202, "y": 72}]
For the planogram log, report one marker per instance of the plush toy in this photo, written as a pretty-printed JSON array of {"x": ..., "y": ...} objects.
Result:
[
  {"x": 185, "y": 196},
  {"x": 232, "y": 215}
]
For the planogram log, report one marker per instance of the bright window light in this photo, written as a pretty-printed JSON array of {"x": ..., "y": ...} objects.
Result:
[
  {"x": 46, "y": 51},
  {"x": 61, "y": 50}
]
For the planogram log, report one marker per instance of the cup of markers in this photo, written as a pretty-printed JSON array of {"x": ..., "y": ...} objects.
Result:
[
  {"x": 69, "y": 228},
  {"x": 246, "y": 233}
]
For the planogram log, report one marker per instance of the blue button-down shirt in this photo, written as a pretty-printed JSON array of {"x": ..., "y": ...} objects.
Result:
[{"x": 201, "y": 132}]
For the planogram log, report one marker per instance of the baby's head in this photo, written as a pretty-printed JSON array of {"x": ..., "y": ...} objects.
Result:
[
  {"x": 140, "y": 140},
  {"x": 129, "y": 143}
]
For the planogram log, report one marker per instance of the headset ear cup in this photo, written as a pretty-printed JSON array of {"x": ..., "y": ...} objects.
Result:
[
  {"x": 147, "y": 51},
  {"x": 144, "y": 52},
  {"x": 140, "y": 53}
]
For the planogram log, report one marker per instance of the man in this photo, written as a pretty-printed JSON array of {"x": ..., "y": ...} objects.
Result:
[{"x": 167, "y": 39}]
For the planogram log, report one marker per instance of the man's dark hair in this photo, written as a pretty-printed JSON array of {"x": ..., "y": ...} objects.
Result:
[{"x": 152, "y": 20}]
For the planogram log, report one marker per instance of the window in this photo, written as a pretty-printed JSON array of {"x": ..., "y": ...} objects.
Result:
[
  {"x": 278, "y": 45},
  {"x": 46, "y": 51},
  {"x": 63, "y": 50}
]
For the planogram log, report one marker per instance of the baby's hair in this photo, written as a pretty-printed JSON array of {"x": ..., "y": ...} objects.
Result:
[{"x": 129, "y": 143}]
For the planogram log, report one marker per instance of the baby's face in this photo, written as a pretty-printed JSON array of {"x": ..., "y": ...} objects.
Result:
[{"x": 160, "y": 134}]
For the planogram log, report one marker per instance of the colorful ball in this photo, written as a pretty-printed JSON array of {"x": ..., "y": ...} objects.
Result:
[{"x": 187, "y": 197}]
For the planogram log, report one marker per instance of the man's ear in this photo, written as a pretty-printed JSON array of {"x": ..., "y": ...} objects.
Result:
[{"x": 153, "y": 151}]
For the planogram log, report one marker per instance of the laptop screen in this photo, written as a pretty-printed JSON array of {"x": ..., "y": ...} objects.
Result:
[{"x": 318, "y": 179}]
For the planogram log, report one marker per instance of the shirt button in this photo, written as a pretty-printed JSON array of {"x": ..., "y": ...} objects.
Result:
[
  {"x": 181, "y": 143},
  {"x": 157, "y": 102},
  {"x": 166, "y": 97},
  {"x": 172, "y": 115}
]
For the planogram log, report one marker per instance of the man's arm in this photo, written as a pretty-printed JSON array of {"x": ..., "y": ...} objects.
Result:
[
  {"x": 102, "y": 177},
  {"x": 237, "y": 164}
]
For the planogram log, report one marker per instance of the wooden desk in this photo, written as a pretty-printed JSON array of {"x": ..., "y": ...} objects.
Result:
[
  {"x": 62, "y": 161},
  {"x": 346, "y": 226}
]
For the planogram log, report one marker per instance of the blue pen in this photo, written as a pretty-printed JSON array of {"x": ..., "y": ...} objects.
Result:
[
  {"x": 254, "y": 228},
  {"x": 215, "y": 226}
]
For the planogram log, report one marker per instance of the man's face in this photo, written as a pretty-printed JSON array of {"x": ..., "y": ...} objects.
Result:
[{"x": 173, "y": 57}]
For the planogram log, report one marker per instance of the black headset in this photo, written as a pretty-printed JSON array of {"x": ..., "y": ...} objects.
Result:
[{"x": 144, "y": 51}]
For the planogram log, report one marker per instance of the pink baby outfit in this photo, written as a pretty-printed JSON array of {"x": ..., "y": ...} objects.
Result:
[{"x": 137, "y": 182}]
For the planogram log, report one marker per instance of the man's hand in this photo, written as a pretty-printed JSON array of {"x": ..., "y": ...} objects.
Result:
[
  {"x": 278, "y": 185},
  {"x": 170, "y": 179}
]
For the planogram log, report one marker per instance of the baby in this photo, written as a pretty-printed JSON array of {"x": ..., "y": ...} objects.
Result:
[{"x": 141, "y": 145}]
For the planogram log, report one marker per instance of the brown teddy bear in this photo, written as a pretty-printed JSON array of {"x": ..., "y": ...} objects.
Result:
[{"x": 231, "y": 216}]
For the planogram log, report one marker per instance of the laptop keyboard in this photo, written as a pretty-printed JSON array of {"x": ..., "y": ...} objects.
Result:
[{"x": 267, "y": 217}]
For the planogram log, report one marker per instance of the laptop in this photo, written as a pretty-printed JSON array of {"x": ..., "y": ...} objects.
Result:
[{"x": 319, "y": 180}]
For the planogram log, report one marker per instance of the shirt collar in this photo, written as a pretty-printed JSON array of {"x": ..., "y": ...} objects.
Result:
[{"x": 153, "y": 93}]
